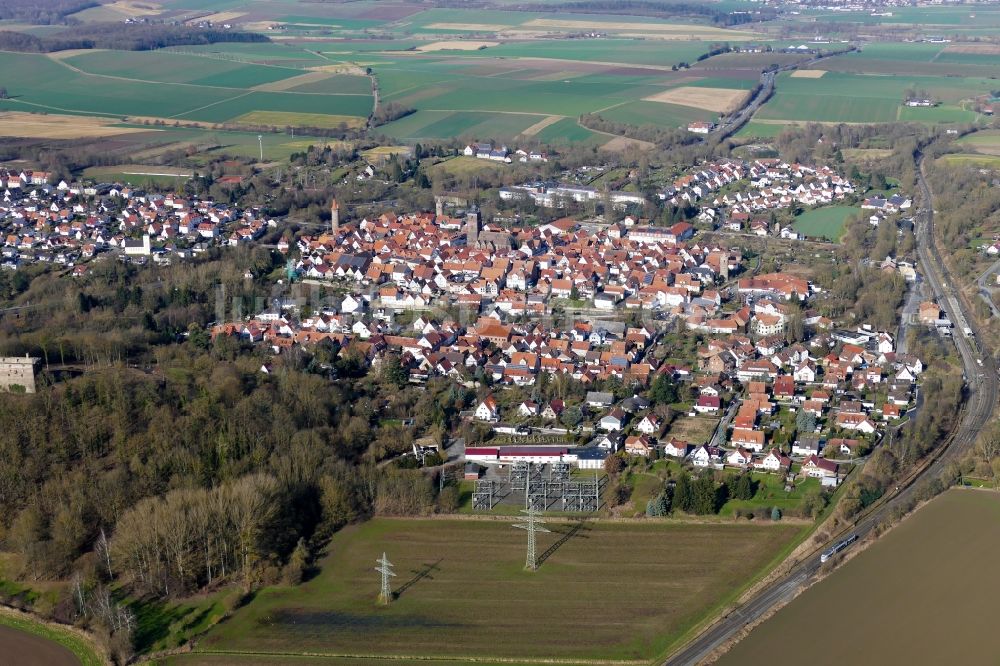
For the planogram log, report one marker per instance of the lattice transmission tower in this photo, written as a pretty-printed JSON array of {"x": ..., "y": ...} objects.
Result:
[
  {"x": 532, "y": 524},
  {"x": 385, "y": 568}
]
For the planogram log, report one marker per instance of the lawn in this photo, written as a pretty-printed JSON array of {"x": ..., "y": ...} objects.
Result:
[
  {"x": 462, "y": 591},
  {"x": 928, "y": 570},
  {"x": 770, "y": 493},
  {"x": 827, "y": 222}
]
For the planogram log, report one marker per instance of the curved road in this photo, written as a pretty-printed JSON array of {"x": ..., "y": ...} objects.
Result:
[{"x": 981, "y": 398}]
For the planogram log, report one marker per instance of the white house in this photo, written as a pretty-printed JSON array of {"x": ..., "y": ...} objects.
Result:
[
  {"x": 706, "y": 456},
  {"x": 805, "y": 373},
  {"x": 487, "y": 410},
  {"x": 739, "y": 458},
  {"x": 649, "y": 425},
  {"x": 774, "y": 461},
  {"x": 613, "y": 422},
  {"x": 676, "y": 448},
  {"x": 820, "y": 468},
  {"x": 528, "y": 408}
]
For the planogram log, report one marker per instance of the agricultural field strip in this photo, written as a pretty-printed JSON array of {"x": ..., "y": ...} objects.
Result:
[
  {"x": 77, "y": 70},
  {"x": 543, "y": 59},
  {"x": 469, "y": 659}
]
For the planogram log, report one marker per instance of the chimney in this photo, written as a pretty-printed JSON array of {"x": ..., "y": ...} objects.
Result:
[{"x": 334, "y": 216}]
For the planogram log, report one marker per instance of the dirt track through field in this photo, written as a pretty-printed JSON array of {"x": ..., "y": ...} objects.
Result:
[{"x": 540, "y": 125}]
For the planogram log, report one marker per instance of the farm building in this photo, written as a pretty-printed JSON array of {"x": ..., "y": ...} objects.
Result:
[{"x": 700, "y": 127}]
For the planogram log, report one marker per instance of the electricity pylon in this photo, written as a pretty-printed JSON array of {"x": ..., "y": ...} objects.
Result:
[
  {"x": 532, "y": 524},
  {"x": 385, "y": 568}
]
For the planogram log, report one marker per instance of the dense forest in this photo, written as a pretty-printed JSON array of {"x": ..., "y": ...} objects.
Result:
[
  {"x": 42, "y": 11},
  {"x": 157, "y": 461},
  {"x": 123, "y": 36}
]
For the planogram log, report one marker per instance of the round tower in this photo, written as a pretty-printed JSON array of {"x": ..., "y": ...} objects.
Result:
[{"x": 334, "y": 216}]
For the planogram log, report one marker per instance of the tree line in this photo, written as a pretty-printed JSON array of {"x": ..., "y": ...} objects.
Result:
[{"x": 123, "y": 37}]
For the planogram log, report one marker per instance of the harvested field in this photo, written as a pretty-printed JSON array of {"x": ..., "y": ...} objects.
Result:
[
  {"x": 720, "y": 100},
  {"x": 808, "y": 73},
  {"x": 339, "y": 69},
  {"x": 620, "y": 143},
  {"x": 289, "y": 83},
  {"x": 467, "y": 27},
  {"x": 134, "y": 7},
  {"x": 47, "y": 126},
  {"x": 983, "y": 49},
  {"x": 456, "y": 45},
  {"x": 540, "y": 125},
  {"x": 221, "y": 17},
  {"x": 646, "y": 600},
  {"x": 927, "y": 572}
]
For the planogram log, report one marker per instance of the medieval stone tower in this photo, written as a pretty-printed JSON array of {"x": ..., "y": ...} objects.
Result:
[
  {"x": 472, "y": 226},
  {"x": 334, "y": 216}
]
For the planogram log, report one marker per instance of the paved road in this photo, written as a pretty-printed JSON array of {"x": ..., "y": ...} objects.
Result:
[
  {"x": 911, "y": 308},
  {"x": 981, "y": 398},
  {"x": 985, "y": 284}
]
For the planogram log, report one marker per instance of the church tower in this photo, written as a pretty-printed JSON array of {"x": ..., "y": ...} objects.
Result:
[
  {"x": 472, "y": 227},
  {"x": 334, "y": 216}
]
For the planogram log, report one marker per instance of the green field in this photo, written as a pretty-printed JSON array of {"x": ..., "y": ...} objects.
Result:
[
  {"x": 928, "y": 572},
  {"x": 657, "y": 113},
  {"x": 945, "y": 17},
  {"x": 645, "y": 584},
  {"x": 171, "y": 67},
  {"x": 840, "y": 97},
  {"x": 40, "y": 83},
  {"x": 827, "y": 222}
]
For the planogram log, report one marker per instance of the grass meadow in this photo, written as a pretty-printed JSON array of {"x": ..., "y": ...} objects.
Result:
[
  {"x": 827, "y": 222},
  {"x": 463, "y": 593}
]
